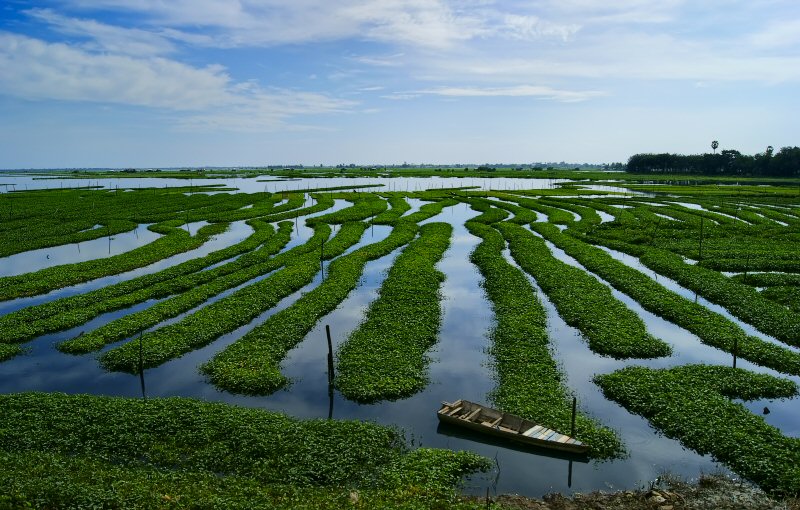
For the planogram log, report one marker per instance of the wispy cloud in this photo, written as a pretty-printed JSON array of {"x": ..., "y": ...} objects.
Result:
[
  {"x": 38, "y": 70},
  {"x": 567, "y": 96}
]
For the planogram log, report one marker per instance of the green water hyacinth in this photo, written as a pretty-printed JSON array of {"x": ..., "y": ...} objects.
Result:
[
  {"x": 529, "y": 382},
  {"x": 583, "y": 302},
  {"x": 693, "y": 404},
  {"x": 710, "y": 327},
  {"x": 39, "y": 282},
  {"x": 251, "y": 365},
  {"x": 384, "y": 358},
  {"x": 69, "y": 312},
  {"x": 214, "y": 320},
  {"x": 82, "y": 451}
]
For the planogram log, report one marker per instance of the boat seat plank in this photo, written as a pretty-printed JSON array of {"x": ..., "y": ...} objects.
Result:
[
  {"x": 495, "y": 422},
  {"x": 543, "y": 433},
  {"x": 564, "y": 439},
  {"x": 472, "y": 414},
  {"x": 454, "y": 411},
  {"x": 548, "y": 436},
  {"x": 533, "y": 430}
]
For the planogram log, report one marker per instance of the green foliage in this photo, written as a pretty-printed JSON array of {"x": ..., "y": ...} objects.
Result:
[
  {"x": 384, "y": 359},
  {"x": 399, "y": 207},
  {"x": 365, "y": 206},
  {"x": 227, "y": 314},
  {"x": 710, "y": 327},
  {"x": 583, "y": 302},
  {"x": 9, "y": 351},
  {"x": 251, "y": 364},
  {"x": 529, "y": 383},
  {"x": 86, "y": 451},
  {"x": 51, "y": 278},
  {"x": 65, "y": 313},
  {"x": 692, "y": 404}
]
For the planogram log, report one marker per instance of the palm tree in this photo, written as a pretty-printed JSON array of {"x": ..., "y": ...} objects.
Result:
[{"x": 714, "y": 146}]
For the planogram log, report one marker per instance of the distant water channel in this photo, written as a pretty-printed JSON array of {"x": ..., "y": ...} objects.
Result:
[{"x": 460, "y": 366}]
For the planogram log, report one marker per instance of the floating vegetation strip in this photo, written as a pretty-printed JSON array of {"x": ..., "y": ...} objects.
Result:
[
  {"x": 251, "y": 365},
  {"x": 583, "y": 302},
  {"x": 72, "y": 311},
  {"x": 710, "y": 327},
  {"x": 8, "y": 351},
  {"x": 364, "y": 207},
  {"x": 399, "y": 206},
  {"x": 529, "y": 383},
  {"x": 742, "y": 301},
  {"x": 83, "y": 451},
  {"x": 384, "y": 359},
  {"x": 231, "y": 312},
  {"x": 187, "y": 292},
  {"x": 692, "y": 404},
  {"x": 42, "y": 281}
]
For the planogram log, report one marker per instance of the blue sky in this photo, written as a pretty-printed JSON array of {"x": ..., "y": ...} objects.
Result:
[{"x": 150, "y": 83}]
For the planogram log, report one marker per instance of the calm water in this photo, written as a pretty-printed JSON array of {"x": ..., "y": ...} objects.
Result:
[{"x": 459, "y": 364}]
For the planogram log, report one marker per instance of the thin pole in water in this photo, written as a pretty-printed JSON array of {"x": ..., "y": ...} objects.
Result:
[
  {"x": 574, "y": 412},
  {"x": 330, "y": 356}
]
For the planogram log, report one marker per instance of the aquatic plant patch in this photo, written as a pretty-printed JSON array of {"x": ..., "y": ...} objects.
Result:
[
  {"x": 88, "y": 451},
  {"x": 582, "y": 301},
  {"x": 251, "y": 365},
  {"x": 72, "y": 311},
  {"x": 227, "y": 314},
  {"x": 693, "y": 404},
  {"x": 529, "y": 382},
  {"x": 51, "y": 278},
  {"x": 710, "y": 327},
  {"x": 384, "y": 358}
]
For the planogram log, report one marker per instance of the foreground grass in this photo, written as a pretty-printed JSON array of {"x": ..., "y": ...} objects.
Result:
[{"x": 85, "y": 451}]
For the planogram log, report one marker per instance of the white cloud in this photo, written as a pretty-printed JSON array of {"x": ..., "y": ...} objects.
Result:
[
  {"x": 38, "y": 70},
  {"x": 778, "y": 35},
  {"x": 533, "y": 27},
  {"x": 566, "y": 96},
  {"x": 104, "y": 37}
]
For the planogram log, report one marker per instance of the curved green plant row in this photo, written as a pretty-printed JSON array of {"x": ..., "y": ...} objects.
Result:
[
  {"x": 83, "y": 451},
  {"x": 364, "y": 206},
  {"x": 51, "y": 278},
  {"x": 8, "y": 351},
  {"x": 769, "y": 279},
  {"x": 428, "y": 211},
  {"x": 251, "y": 365},
  {"x": 238, "y": 309},
  {"x": 187, "y": 292},
  {"x": 529, "y": 382},
  {"x": 692, "y": 403},
  {"x": 399, "y": 207},
  {"x": 384, "y": 359},
  {"x": 741, "y": 300},
  {"x": 69, "y": 312},
  {"x": 554, "y": 214},
  {"x": 787, "y": 296},
  {"x": 582, "y": 301},
  {"x": 710, "y": 327}
]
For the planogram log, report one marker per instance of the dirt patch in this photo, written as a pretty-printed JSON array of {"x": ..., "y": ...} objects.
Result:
[{"x": 709, "y": 492}]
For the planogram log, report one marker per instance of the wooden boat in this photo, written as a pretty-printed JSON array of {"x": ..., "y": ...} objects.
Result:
[{"x": 463, "y": 413}]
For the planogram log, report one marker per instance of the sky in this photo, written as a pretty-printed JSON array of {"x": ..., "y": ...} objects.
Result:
[{"x": 166, "y": 83}]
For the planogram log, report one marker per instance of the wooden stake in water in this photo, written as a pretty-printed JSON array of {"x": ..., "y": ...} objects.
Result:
[
  {"x": 141, "y": 368},
  {"x": 330, "y": 355},
  {"x": 735, "y": 350}
]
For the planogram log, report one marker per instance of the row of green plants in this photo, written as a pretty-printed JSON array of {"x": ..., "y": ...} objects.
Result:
[
  {"x": 384, "y": 358},
  {"x": 693, "y": 404},
  {"x": 398, "y": 206},
  {"x": 72, "y": 311},
  {"x": 582, "y": 301},
  {"x": 529, "y": 381},
  {"x": 184, "y": 293},
  {"x": 365, "y": 205},
  {"x": 201, "y": 327},
  {"x": 554, "y": 214},
  {"x": 786, "y": 296},
  {"x": 45, "y": 280},
  {"x": 8, "y": 351},
  {"x": 710, "y": 327},
  {"x": 768, "y": 279},
  {"x": 251, "y": 365},
  {"x": 61, "y": 451},
  {"x": 739, "y": 299}
]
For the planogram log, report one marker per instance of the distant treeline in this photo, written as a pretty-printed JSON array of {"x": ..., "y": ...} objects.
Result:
[{"x": 784, "y": 163}]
